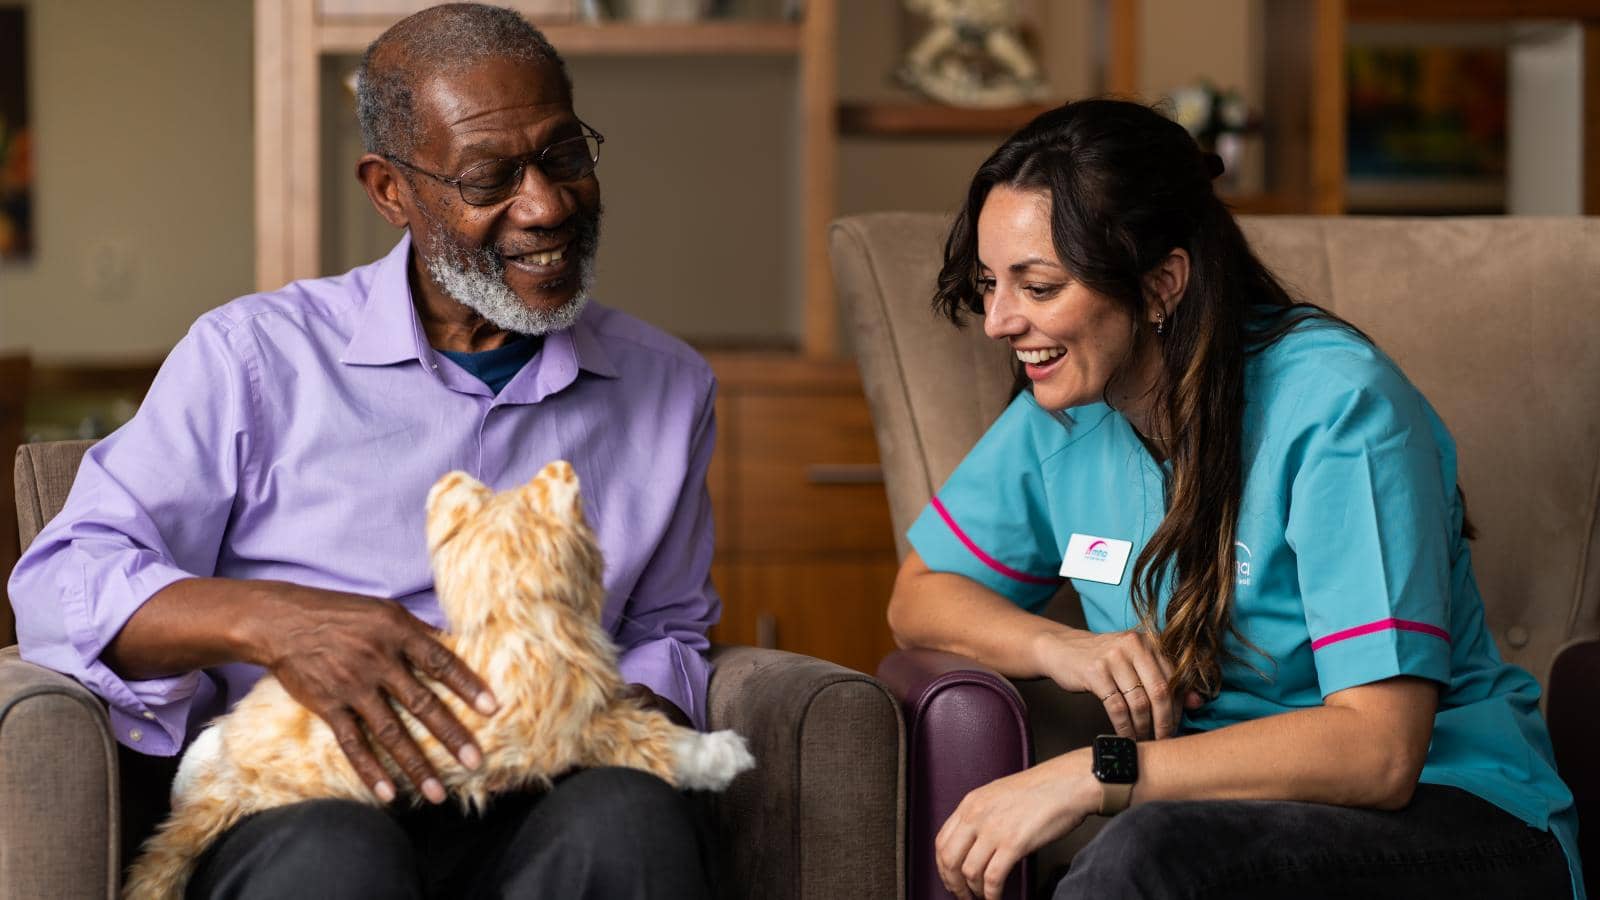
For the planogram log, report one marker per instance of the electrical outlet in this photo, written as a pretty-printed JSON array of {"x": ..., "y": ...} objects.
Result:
[{"x": 109, "y": 269}]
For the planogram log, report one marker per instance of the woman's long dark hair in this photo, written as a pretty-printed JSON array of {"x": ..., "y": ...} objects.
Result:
[{"x": 1127, "y": 186}]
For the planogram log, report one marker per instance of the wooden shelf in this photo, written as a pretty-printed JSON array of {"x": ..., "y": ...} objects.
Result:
[
  {"x": 1265, "y": 203},
  {"x": 727, "y": 38},
  {"x": 932, "y": 120},
  {"x": 1499, "y": 10}
]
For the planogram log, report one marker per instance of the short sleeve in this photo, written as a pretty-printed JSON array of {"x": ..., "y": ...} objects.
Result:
[
  {"x": 990, "y": 521},
  {"x": 1370, "y": 525}
]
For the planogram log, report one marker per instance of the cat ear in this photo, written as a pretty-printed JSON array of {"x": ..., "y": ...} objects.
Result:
[
  {"x": 453, "y": 499},
  {"x": 555, "y": 491}
]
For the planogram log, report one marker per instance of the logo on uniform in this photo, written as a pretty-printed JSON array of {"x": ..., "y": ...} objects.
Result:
[
  {"x": 1242, "y": 566},
  {"x": 1094, "y": 558}
]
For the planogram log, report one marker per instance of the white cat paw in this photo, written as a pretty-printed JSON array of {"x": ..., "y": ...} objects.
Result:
[{"x": 708, "y": 762}]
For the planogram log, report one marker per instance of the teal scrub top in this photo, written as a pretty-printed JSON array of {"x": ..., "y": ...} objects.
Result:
[{"x": 1350, "y": 565}]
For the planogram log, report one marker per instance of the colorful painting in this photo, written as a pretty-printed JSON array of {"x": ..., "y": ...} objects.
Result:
[
  {"x": 1427, "y": 112},
  {"x": 16, "y": 148}
]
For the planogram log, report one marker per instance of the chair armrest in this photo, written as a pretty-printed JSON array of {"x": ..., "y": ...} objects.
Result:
[
  {"x": 59, "y": 802},
  {"x": 1574, "y": 688},
  {"x": 966, "y": 726},
  {"x": 821, "y": 814}
]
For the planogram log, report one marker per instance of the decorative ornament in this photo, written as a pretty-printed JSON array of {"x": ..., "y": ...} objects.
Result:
[{"x": 971, "y": 55}]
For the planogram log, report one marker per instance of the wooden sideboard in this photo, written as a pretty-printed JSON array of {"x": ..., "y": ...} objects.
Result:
[{"x": 805, "y": 548}]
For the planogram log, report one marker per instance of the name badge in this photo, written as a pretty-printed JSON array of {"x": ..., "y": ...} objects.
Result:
[{"x": 1096, "y": 558}]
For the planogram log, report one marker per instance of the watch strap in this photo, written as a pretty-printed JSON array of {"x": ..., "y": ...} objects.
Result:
[{"x": 1114, "y": 798}]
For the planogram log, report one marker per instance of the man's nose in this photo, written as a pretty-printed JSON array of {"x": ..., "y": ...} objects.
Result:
[
  {"x": 1001, "y": 317},
  {"x": 541, "y": 202}
]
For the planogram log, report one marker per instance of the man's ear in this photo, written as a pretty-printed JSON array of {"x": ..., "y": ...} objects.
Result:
[
  {"x": 1165, "y": 284},
  {"x": 384, "y": 188},
  {"x": 453, "y": 499}
]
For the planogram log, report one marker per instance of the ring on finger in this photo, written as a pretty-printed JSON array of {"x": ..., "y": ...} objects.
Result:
[
  {"x": 1109, "y": 696},
  {"x": 1137, "y": 686}
]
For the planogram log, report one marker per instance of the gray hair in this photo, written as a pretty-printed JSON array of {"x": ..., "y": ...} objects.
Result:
[{"x": 439, "y": 40}]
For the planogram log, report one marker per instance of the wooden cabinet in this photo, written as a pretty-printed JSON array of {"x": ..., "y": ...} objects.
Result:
[{"x": 805, "y": 548}]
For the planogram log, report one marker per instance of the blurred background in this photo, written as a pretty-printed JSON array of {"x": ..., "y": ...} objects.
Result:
[{"x": 160, "y": 158}]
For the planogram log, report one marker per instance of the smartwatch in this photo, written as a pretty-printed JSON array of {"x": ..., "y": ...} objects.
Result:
[{"x": 1116, "y": 767}]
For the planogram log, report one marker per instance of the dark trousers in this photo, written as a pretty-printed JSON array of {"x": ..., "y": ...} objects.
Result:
[
  {"x": 1446, "y": 844},
  {"x": 600, "y": 833}
]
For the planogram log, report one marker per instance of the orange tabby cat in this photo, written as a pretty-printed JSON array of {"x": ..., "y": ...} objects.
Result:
[{"x": 518, "y": 577}]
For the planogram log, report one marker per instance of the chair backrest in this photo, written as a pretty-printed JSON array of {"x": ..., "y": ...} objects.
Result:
[
  {"x": 1492, "y": 318},
  {"x": 43, "y": 477}
]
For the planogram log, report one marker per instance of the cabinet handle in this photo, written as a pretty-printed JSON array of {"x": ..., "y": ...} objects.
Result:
[
  {"x": 767, "y": 631},
  {"x": 844, "y": 473}
]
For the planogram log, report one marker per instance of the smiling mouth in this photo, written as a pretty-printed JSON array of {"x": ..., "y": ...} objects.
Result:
[
  {"x": 543, "y": 263},
  {"x": 1041, "y": 357},
  {"x": 1038, "y": 364}
]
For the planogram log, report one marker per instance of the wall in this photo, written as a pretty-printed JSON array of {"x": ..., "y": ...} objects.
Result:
[{"x": 143, "y": 175}]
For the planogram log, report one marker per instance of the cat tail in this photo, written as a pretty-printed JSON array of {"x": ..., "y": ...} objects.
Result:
[
  {"x": 626, "y": 735},
  {"x": 167, "y": 860},
  {"x": 709, "y": 762}
]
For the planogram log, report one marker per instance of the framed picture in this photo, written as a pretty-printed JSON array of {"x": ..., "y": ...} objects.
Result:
[
  {"x": 16, "y": 138},
  {"x": 1427, "y": 128}
]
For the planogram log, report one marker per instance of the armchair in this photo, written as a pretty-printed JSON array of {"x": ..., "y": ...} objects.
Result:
[
  {"x": 820, "y": 817},
  {"x": 1491, "y": 318}
]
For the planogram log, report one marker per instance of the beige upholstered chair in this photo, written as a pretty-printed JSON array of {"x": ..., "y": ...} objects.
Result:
[
  {"x": 819, "y": 818},
  {"x": 1497, "y": 320}
]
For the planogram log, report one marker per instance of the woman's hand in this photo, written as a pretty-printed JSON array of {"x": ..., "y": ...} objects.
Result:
[
  {"x": 345, "y": 657},
  {"x": 1000, "y": 823},
  {"x": 1125, "y": 670}
]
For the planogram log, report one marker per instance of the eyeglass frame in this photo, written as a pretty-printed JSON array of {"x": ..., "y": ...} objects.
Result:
[{"x": 536, "y": 157}]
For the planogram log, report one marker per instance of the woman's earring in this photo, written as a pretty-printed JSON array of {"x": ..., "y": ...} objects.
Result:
[{"x": 1161, "y": 324}]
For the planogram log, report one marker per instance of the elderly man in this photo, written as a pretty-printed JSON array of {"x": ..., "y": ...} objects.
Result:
[{"x": 263, "y": 511}]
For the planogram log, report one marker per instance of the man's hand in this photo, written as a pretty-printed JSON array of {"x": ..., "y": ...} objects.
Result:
[
  {"x": 345, "y": 657},
  {"x": 652, "y": 700}
]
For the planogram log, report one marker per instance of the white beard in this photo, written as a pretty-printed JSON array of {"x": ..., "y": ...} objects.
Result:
[{"x": 477, "y": 280}]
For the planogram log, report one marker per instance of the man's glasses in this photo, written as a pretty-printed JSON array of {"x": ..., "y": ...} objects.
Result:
[{"x": 488, "y": 183}]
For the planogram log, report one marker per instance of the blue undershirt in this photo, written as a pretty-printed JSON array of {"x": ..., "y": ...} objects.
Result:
[{"x": 497, "y": 367}]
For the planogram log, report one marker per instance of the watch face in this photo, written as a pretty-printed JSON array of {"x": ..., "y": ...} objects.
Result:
[{"x": 1116, "y": 760}]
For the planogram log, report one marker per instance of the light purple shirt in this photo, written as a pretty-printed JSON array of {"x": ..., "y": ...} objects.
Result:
[{"x": 294, "y": 436}]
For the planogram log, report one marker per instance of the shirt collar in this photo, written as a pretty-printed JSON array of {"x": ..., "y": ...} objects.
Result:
[
  {"x": 555, "y": 367},
  {"x": 387, "y": 331}
]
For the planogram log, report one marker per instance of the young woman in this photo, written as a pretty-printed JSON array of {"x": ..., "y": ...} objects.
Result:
[{"x": 1261, "y": 517}]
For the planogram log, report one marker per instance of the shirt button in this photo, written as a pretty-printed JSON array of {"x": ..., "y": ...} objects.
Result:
[
  {"x": 135, "y": 735},
  {"x": 1517, "y": 636},
  {"x": 149, "y": 715}
]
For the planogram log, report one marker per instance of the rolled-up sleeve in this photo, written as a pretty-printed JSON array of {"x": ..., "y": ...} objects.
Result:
[
  {"x": 149, "y": 507},
  {"x": 662, "y": 634}
]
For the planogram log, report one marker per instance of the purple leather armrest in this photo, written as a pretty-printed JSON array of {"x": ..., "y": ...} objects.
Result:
[
  {"x": 965, "y": 726},
  {"x": 1574, "y": 689}
]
